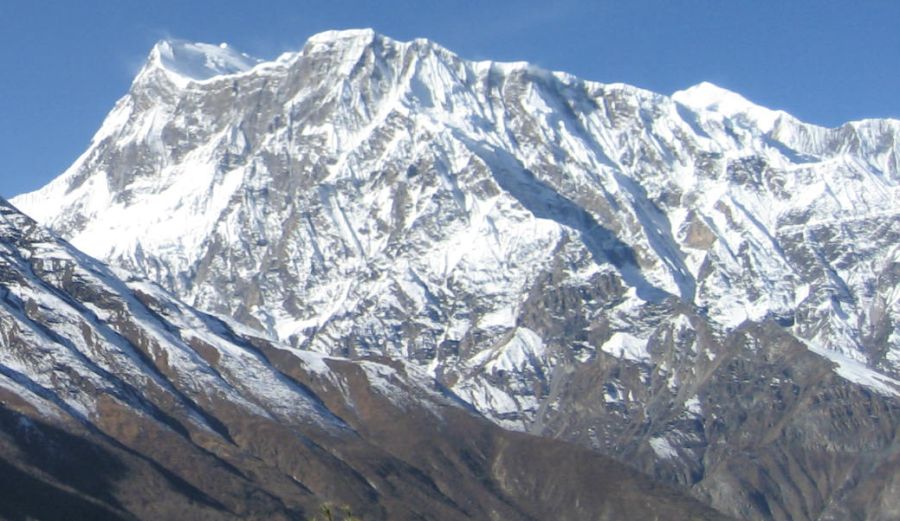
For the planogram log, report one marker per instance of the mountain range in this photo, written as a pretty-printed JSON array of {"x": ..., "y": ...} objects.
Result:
[{"x": 697, "y": 286}]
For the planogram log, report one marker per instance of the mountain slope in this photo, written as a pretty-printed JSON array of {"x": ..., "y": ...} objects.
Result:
[
  {"x": 591, "y": 262},
  {"x": 119, "y": 402}
]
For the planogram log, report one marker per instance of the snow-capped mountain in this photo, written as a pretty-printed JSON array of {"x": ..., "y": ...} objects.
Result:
[
  {"x": 703, "y": 287},
  {"x": 118, "y": 401}
]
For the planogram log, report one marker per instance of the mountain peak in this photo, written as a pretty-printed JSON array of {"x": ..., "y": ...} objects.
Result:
[
  {"x": 365, "y": 34},
  {"x": 194, "y": 61},
  {"x": 709, "y": 97},
  {"x": 355, "y": 39}
]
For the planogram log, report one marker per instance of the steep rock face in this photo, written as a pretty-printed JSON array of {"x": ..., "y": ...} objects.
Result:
[
  {"x": 118, "y": 401},
  {"x": 678, "y": 281}
]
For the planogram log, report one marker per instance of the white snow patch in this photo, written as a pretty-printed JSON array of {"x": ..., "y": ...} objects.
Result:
[
  {"x": 491, "y": 400},
  {"x": 503, "y": 317},
  {"x": 708, "y": 97},
  {"x": 382, "y": 378},
  {"x": 523, "y": 349},
  {"x": 663, "y": 448},
  {"x": 629, "y": 347},
  {"x": 801, "y": 292},
  {"x": 199, "y": 61},
  {"x": 613, "y": 393},
  {"x": 692, "y": 405},
  {"x": 858, "y": 372}
]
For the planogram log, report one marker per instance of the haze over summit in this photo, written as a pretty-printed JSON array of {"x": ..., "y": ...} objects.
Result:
[{"x": 823, "y": 62}]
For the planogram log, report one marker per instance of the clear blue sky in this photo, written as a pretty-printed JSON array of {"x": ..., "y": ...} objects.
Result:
[{"x": 64, "y": 63}]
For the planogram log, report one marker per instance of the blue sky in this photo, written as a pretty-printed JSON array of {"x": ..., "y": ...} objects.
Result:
[{"x": 64, "y": 63}]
